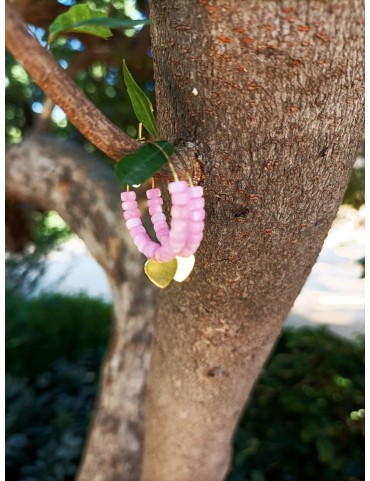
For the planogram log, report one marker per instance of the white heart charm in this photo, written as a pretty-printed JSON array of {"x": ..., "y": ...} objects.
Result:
[{"x": 184, "y": 267}]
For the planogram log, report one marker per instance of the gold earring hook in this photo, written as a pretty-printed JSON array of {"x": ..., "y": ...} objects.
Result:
[
  {"x": 185, "y": 167},
  {"x": 140, "y": 132}
]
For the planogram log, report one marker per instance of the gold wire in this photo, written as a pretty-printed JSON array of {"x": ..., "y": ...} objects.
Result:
[
  {"x": 140, "y": 131},
  {"x": 153, "y": 183},
  {"x": 127, "y": 188},
  {"x": 185, "y": 167}
]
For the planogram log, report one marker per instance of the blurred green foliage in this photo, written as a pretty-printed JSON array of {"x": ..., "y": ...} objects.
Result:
[
  {"x": 100, "y": 80},
  {"x": 41, "y": 330},
  {"x": 54, "y": 348},
  {"x": 48, "y": 229},
  {"x": 102, "y": 84},
  {"x": 355, "y": 193},
  {"x": 305, "y": 418},
  {"x": 24, "y": 270},
  {"x": 47, "y": 418}
]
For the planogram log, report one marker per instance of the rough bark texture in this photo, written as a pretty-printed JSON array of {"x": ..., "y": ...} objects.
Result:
[
  {"x": 54, "y": 175},
  {"x": 271, "y": 94}
]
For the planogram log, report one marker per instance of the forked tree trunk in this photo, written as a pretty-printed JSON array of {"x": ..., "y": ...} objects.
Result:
[
  {"x": 270, "y": 94},
  {"x": 83, "y": 190}
]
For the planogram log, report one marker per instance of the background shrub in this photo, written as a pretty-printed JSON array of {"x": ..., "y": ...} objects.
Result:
[
  {"x": 305, "y": 418},
  {"x": 54, "y": 326}
]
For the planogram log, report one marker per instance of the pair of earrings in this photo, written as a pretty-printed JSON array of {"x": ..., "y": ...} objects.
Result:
[{"x": 172, "y": 257}]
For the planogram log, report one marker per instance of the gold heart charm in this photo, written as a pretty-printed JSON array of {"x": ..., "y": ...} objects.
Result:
[
  {"x": 160, "y": 273},
  {"x": 184, "y": 268}
]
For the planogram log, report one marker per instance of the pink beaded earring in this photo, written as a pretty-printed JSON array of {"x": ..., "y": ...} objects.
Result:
[{"x": 173, "y": 256}]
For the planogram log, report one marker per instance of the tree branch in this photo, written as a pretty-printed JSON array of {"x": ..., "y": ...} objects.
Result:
[
  {"x": 39, "y": 12},
  {"x": 56, "y": 175},
  {"x": 57, "y": 85}
]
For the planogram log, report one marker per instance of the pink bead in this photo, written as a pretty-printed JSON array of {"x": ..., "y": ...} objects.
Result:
[
  {"x": 140, "y": 237},
  {"x": 151, "y": 249},
  {"x": 158, "y": 217},
  {"x": 178, "y": 225},
  {"x": 186, "y": 252},
  {"x": 180, "y": 199},
  {"x": 155, "y": 209},
  {"x": 166, "y": 249},
  {"x": 160, "y": 257},
  {"x": 130, "y": 195},
  {"x": 153, "y": 193},
  {"x": 196, "y": 227},
  {"x": 178, "y": 186},
  {"x": 178, "y": 235},
  {"x": 196, "y": 237},
  {"x": 156, "y": 201},
  {"x": 162, "y": 234},
  {"x": 192, "y": 249},
  {"x": 142, "y": 248},
  {"x": 143, "y": 245},
  {"x": 176, "y": 247},
  {"x": 179, "y": 212},
  {"x": 162, "y": 240},
  {"x": 176, "y": 244},
  {"x": 197, "y": 215},
  {"x": 197, "y": 204},
  {"x": 164, "y": 254},
  {"x": 137, "y": 230},
  {"x": 196, "y": 191},
  {"x": 133, "y": 223},
  {"x": 129, "y": 205},
  {"x": 130, "y": 214},
  {"x": 160, "y": 225}
]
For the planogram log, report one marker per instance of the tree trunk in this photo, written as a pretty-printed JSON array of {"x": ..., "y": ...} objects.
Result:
[
  {"x": 271, "y": 94},
  {"x": 53, "y": 175}
]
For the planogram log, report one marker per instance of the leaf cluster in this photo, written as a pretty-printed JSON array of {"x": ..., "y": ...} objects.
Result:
[
  {"x": 97, "y": 67},
  {"x": 83, "y": 19},
  {"x": 305, "y": 419},
  {"x": 53, "y": 326}
]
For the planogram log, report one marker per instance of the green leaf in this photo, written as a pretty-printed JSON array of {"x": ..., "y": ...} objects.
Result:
[
  {"x": 75, "y": 21},
  {"x": 140, "y": 102},
  {"x": 142, "y": 164}
]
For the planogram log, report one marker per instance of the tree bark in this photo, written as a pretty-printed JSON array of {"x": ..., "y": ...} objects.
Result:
[
  {"x": 53, "y": 175},
  {"x": 271, "y": 94}
]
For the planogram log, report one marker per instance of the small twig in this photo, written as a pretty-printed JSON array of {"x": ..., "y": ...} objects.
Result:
[
  {"x": 58, "y": 86},
  {"x": 43, "y": 122}
]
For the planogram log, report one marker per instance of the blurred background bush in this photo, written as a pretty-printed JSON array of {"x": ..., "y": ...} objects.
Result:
[{"x": 305, "y": 419}]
